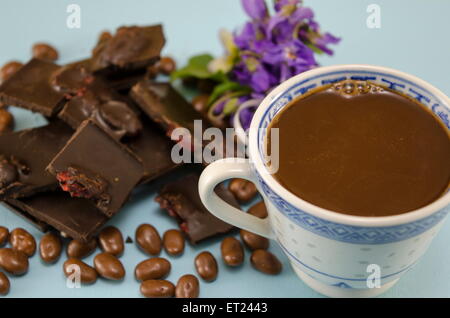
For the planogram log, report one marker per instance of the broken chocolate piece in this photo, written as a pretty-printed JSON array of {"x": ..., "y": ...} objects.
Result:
[
  {"x": 107, "y": 108},
  {"x": 93, "y": 152},
  {"x": 41, "y": 226},
  {"x": 130, "y": 48},
  {"x": 122, "y": 82},
  {"x": 165, "y": 106},
  {"x": 72, "y": 78},
  {"x": 30, "y": 88},
  {"x": 162, "y": 103},
  {"x": 154, "y": 150},
  {"x": 182, "y": 201},
  {"x": 76, "y": 217},
  {"x": 119, "y": 117},
  {"x": 24, "y": 156},
  {"x": 115, "y": 117}
]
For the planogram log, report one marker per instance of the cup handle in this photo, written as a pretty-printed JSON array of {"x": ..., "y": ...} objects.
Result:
[
  {"x": 219, "y": 171},
  {"x": 241, "y": 133}
]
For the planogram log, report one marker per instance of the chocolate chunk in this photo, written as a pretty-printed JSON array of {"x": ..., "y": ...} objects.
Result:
[
  {"x": 107, "y": 169},
  {"x": 41, "y": 226},
  {"x": 182, "y": 201},
  {"x": 130, "y": 48},
  {"x": 108, "y": 109},
  {"x": 72, "y": 78},
  {"x": 123, "y": 81},
  {"x": 153, "y": 148},
  {"x": 76, "y": 217},
  {"x": 129, "y": 240},
  {"x": 30, "y": 88},
  {"x": 165, "y": 106},
  {"x": 24, "y": 156},
  {"x": 162, "y": 103},
  {"x": 119, "y": 117}
]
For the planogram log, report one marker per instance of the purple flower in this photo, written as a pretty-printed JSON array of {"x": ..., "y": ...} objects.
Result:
[
  {"x": 256, "y": 9},
  {"x": 273, "y": 48},
  {"x": 322, "y": 42},
  {"x": 245, "y": 116},
  {"x": 279, "y": 4}
]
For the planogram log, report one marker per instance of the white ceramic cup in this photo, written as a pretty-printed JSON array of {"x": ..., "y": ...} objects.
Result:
[{"x": 331, "y": 252}]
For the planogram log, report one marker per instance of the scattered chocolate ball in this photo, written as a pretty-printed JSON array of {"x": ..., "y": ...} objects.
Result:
[
  {"x": 166, "y": 65},
  {"x": 259, "y": 210},
  {"x": 14, "y": 262},
  {"x": 50, "y": 247},
  {"x": 232, "y": 251},
  {"x": 254, "y": 241},
  {"x": 153, "y": 268},
  {"x": 6, "y": 121},
  {"x": 44, "y": 51},
  {"x": 4, "y": 284},
  {"x": 188, "y": 286},
  {"x": 108, "y": 266},
  {"x": 206, "y": 266},
  {"x": 111, "y": 240},
  {"x": 173, "y": 241},
  {"x": 157, "y": 288},
  {"x": 242, "y": 189},
  {"x": 265, "y": 262},
  {"x": 4, "y": 234},
  {"x": 9, "y": 69},
  {"x": 104, "y": 36},
  {"x": 80, "y": 250},
  {"x": 22, "y": 241},
  {"x": 200, "y": 103},
  {"x": 148, "y": 239},
  {"x": 72, "y": 266}
]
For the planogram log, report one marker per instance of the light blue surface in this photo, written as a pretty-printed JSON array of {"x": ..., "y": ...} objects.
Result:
[{"x": 413, "y": 38}]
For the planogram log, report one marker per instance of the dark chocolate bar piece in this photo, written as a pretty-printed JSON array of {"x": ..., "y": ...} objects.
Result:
[
  {"x": 41, "y": 226},
  {"x": 24, "y": 155},
  {"x": 182, "y": 201},
  {"x": 164, "y": 105},
  {"x": 153, "y": 148},
  {"x": 30, "y": 88},
  {"x": 76, "y": 217},
  {"x": 112, "y": 113},
  {"x": 93, "y": 165},
  {"x": 129, "y": 49},
  {"x": 123, "y": 82},
  {"x": 90, "y": 97},
  {"x": 72, "y": 78}
]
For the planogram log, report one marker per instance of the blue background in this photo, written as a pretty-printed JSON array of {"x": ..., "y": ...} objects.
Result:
[{"x": 413, "y": 38}]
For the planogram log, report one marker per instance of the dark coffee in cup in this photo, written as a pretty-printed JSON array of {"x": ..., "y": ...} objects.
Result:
[{"x": 358, "y": 148}]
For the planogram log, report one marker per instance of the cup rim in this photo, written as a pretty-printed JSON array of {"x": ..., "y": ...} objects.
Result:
[{"x": 373, "y": 221}]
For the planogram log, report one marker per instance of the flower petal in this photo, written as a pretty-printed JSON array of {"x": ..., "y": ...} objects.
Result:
[{"x": 256, "y": 9}]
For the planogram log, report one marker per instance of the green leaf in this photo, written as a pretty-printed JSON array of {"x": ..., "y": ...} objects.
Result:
[
  {"x": 230, "y": 106},
  {"x": 314, "y": 48},
  {"x": 224, "y": 87},
  {"x": 197, "y": 67}
]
